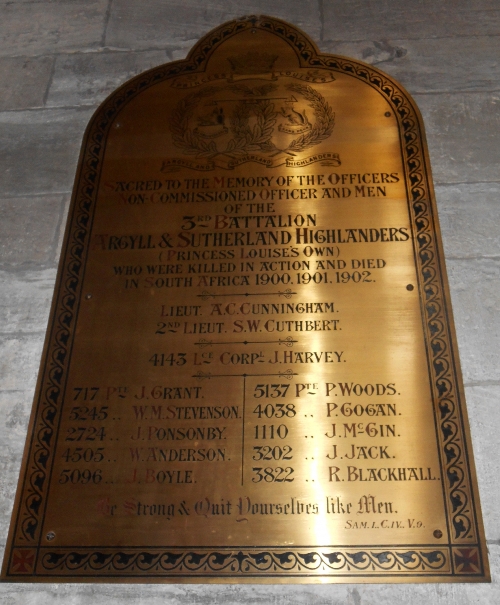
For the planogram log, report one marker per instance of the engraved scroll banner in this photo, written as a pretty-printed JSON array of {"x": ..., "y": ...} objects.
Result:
[{"x": 250, "y": 372}]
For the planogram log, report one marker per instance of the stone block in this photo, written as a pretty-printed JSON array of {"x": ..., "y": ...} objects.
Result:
[
  {"x": 62, "y": 227},
  {"x": 430, "y": 65},
  {"x": 25, "y": 81},
  {"x": 15, "y": 410},
  {"x": 275, "y": 594},
  {"x": 135, "y": 26},
  {"x": 25, "y": 300},
  {"x": 475, "y": 293},
  {"x": 392, "y": 19},
  {"x": 20, "y": 360},
  {"x": 469, "y": 216},
  {"x": 180, "y": 51},
  {"x": 29, "y": 229},
  {"x": 37, "y": 28},
  {"x": 39, "y": 150},
  {"x": 462, "y": 133},
  {"x": 482, "y": 404},
  {"x": 87, "y": 79}
]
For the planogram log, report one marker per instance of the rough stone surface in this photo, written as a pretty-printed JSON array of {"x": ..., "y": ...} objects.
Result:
[
  {"x": 25, "y": 299},
  {"x": 25, "y": 81},
  {"x": 484, "y": 419},
  {"x": 476, "y": 306},
  {"x": 368, "y": 594},
  {"x": 89, "y": 78},
  {"x": 375, "y": 20},
  {"x": 35, "y": 28},
  {"x": 19, "y": 360},
  {"x": 461, "y": 131},
  {"x": 39, "y": 150},
  {"x": 60, "y": 58},
  {"x": 28, "y": 229},
  {"x": 469, "y": 215},
  {"x": 133, "y": 25},
  {"x": 15, "y": 409},
  {"x": 430, "y": 65}
]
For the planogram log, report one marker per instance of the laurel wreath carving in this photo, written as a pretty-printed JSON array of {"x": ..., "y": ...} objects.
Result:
[
  {"x": 325, "y": 119},
  {"x": 250, "y": 138},
  {"x": 184, "y": 136}
]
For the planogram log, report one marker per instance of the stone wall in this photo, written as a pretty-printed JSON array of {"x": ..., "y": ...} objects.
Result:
[{"x": 59, "y": 59}]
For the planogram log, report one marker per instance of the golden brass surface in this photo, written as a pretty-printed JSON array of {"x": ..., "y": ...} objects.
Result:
[{"x": 250, "y": 372}]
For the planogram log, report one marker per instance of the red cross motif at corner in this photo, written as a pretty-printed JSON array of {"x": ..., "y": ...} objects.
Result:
[
  {"x": 467, "y": 560},
  {"x": 23, "y": 560}
]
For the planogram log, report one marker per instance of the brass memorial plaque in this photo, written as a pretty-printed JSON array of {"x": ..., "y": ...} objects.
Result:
[{"x": 250, "y": 372}]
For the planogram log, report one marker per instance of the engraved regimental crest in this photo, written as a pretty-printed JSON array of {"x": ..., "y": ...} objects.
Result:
[{"x": 271, "y": 121}]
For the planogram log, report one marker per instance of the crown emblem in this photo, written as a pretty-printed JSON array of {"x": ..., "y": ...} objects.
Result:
[{"x": 252, "y": 63}]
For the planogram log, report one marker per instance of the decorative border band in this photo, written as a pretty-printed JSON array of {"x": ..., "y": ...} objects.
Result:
[{"x": 240, "y": 562}]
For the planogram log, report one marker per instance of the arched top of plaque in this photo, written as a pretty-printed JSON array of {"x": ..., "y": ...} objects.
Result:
[{"x": 257, "y": 90}]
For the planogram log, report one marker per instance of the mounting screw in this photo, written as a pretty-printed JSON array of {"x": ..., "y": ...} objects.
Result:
[
  {"x": 50, "y": 536},
  {"x": 387, "y": 114},
  {"x": 409, "y": 287},
  {"x": 438, "y": 534}
]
